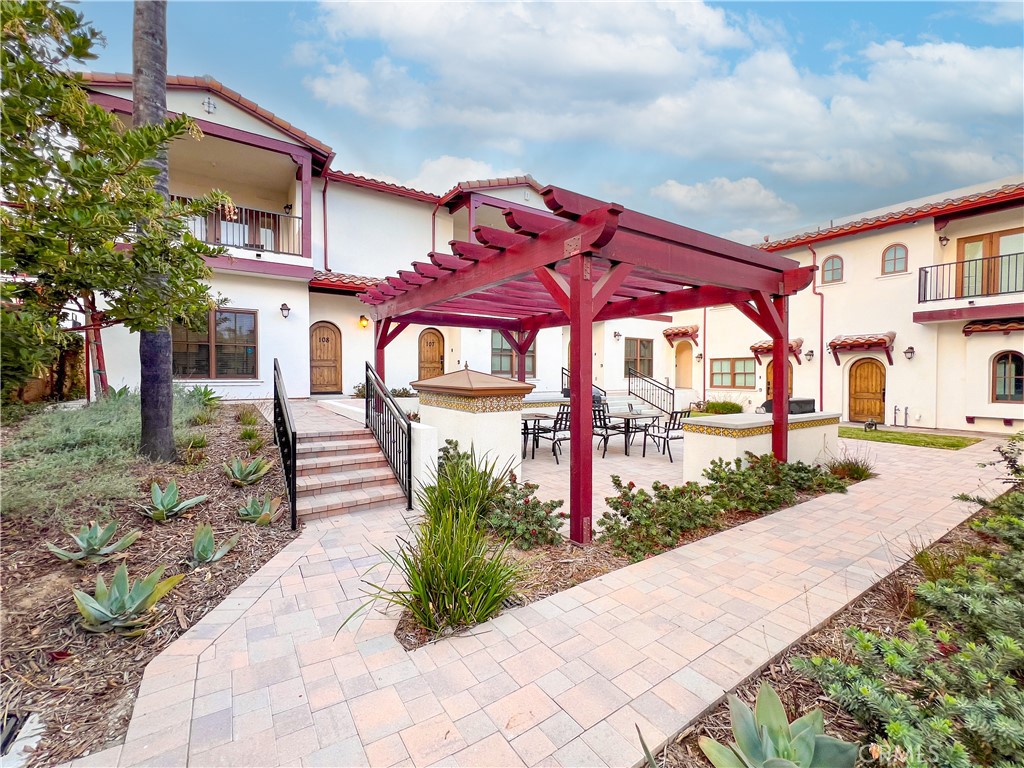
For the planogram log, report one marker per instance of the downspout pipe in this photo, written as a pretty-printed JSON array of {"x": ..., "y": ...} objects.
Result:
[
  {"x": 706, "y": 361},
  {"x": 433, "y": 226},
  {"x": 327, "y": 181},
  {"x": 821, "y": 328}
]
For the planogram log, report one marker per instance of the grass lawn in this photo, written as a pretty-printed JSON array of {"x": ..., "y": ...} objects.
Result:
[{"x": 923, "y": 440}]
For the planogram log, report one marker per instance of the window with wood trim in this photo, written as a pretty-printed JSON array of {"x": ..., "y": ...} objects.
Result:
[
  {"x": 224, "y": 347},
  {"x": 639, "y": 354},
  {"x": 894, "y": 259},
  {"x": 733, "y": 373},
  {"x": 832, "y": 270},
  {"x": 504, "y": 360},
  {"x": 1008, "y": 378}
]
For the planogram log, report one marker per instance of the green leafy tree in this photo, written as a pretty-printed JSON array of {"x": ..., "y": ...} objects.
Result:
[{"x": 82, "y": 211}]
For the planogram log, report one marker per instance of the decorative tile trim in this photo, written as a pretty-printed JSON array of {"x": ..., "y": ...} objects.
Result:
[
  {"x": 736, "y": 432},
  {"x": 496, "y": 404}
]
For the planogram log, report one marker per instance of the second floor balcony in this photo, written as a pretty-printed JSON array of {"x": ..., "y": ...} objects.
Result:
[
  {"x": 972, "y": 278},
  {"x": 250, "y": 229}
]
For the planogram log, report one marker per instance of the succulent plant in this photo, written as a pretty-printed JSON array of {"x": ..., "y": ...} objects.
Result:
[
  {"x": 241, "y": 473},
  {"x": 166, "y": 504},
  {"x": 205, "y": 396},
  {"x": 204, "y": 547},
  {"x": 765, "y": 737},
  {"x": 259, "y": 511},
  {"x": 123, "y": 607},
  {"x": 92, "y": 543}
]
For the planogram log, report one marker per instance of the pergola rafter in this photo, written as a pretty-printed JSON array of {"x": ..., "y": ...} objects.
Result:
[{"x": 588, "y": 261}]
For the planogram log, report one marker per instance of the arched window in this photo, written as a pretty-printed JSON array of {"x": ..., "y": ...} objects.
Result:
[
  {"x": 832, "y": 270},
  {"x": 894, "y": 259},
  {"x": 1008, "y": 378}
]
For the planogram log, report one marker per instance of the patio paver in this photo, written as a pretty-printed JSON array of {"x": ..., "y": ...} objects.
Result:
[{"x": 263, "y": 680}]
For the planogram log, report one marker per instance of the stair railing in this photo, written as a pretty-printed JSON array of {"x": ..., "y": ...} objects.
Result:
[
  {"x": 391, "y": 428},
  {"x": 652, "y": 392},
  {"x": 285, "y": 437},
  {"x": 565, "y": 384}
]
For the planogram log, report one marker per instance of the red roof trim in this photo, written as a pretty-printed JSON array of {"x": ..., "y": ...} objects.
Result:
[
  {"x": 682, "y": 332},
  {"x": 473, "y": 186},
  {"x": 1003, "y": 195},
  {"x": 861, "y": 342},
  {"x": 1004, "y": 327},
  {"x": 338, "y": 281},
  {"x": 382, "y": 186}
]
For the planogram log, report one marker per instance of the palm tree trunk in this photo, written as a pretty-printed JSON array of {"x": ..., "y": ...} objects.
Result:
[{"x": 149, "y": 105}]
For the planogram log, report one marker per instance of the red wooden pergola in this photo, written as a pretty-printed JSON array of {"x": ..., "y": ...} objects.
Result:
[{"x": 583, "y": 262}]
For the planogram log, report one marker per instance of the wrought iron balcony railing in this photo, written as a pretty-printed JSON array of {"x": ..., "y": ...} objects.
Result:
[
  {"x": 249, "y": 228},
  {"x": 971, "y": 278}
]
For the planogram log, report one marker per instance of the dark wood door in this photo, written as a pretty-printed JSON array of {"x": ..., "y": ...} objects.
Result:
[
  {"x": 324, "y": 358},
  {"x": 768, "y": 379},
  {"x": 431, "y": 354},
  {"x": 867, "y": 391}
]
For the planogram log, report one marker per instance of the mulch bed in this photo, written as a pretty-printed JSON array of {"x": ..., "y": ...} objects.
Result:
[
  {"x": 84, "y": 685},
  {"x": 881, "y": 610}
]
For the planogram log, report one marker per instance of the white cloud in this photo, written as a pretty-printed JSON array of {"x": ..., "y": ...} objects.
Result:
[
  {"x": 440, "y": 174},
  {"x": 745, "y": 197},
  {"x": 745, "y": 235},
  {"x": 1003, "y": 12}
]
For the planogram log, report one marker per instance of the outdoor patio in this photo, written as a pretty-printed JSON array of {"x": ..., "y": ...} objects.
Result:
[{"x": 269, "y": 679}]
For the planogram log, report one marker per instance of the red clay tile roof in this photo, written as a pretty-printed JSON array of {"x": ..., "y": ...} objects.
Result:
[
  {"x": 863, "y": 341},
  {"x": 383, "y": 186},
  {"x": 342, "y": 282},
  {"x": 765, "y": 347},
  {"x": 1004, "y": 194},
  {"x": 681, "y": 332},
  {"x": 120, "y": 79},
  {"x": 478, "y": 184},
  {"x": 994, "y": 326}
]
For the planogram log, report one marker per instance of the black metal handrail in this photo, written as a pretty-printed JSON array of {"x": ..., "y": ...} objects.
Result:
[
  {"x": 286, "y": 439},
  {"x": 565, "y": 383},
  {"x": 392, "y": 429},
  {"x": 652, "y": 392},
  {"x": 253, "y": 229},
  {"x": 971, "y": 278}
]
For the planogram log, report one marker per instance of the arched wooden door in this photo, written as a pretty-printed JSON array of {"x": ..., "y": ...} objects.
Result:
[
  {"x": 867, "y": 391},
  {"x": 768, "y": 379},
  {"x": 431, "y": 354},
  {"x": 324, "y": 358}
]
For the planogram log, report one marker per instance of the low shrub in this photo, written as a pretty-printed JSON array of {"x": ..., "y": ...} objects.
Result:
[
  {"x": 205, "y": 396},
  {"x": 359, "y": 391},
  {"x": 722, "y": 406},
  {"x": 524, "y": 520},
  {"x": 248, "y": 415},
  {"x": 464, "y": 482},
  {"x": 193, "y": 440},
  {"x": 249, "y": 433},
  {"x": 851, "y": 466},
  {"x": 403, "y": 392},
  {"x": 203, "y": 417},
  {"x": 255, "y": 445}
]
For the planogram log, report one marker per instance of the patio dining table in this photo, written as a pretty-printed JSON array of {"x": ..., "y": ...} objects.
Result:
[
  {"x": 531, "y": 422},
  {"x": 633, "y": 421}
]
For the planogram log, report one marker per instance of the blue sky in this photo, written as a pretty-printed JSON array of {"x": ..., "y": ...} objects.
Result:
[{"x": 743, "y": 119}]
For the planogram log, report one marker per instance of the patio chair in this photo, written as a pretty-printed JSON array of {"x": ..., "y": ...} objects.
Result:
[
  {"x": 662, "y": 435},
  {"x": 604, "y": 429},
  {"x": 557, "y": 433}
]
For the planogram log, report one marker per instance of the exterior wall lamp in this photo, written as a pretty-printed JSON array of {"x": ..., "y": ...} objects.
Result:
[
  {"x": 943, "y": 241},
  {"x": 699, "y": 357},
  {"x": 363, "y": 321},
  {"x": 288, "y": 209},
  {"x": 617, "y": 335},
  {"x": 909, "y": 353},
  {"x": 809, "y": 355},
  {"x": 285, "y": 310}
]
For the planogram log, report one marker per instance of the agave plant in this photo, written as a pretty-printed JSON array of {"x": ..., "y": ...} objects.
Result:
[
  {"x": 123, "y": 607},
  {"x": 240, "y": 473},
  {"x": 765, "y": 737},
  {"x": 205, "y": 396},
  {"x": 92, "y": 544},
  {"x": 166, "y": 504},
  {"x": 259, "y": 511},
  {"x": 204, "y": 547}
]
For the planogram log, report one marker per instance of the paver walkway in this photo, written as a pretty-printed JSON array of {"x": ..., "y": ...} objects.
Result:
[{"x": 267, "y": 678}]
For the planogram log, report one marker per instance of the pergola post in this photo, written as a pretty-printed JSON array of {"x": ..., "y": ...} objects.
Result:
[
  {"x": 780, "y": 380},
  {"x": 581, "y": 424},
  {"x": 380, "y": 329}
]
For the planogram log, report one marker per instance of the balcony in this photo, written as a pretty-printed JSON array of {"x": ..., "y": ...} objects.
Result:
[
  {"x": 250, "y": 229},
  {"x": 971, "y": 279}
]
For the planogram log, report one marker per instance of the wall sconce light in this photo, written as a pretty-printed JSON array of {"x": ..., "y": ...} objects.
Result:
[
  {"x": 943, "y": 241},
  {"x": 809, "y": 355},
  {"x": 909, "y": 353},
  {"x": 288, "y": 209},
  {"x": 363, "y": 321},
  {"x": 285, "y": 309},
  {"x": 699, "y": 357},
  {"x": 617, "y": 335}
]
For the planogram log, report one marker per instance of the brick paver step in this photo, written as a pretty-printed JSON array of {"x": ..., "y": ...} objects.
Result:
[
  {"x": 350, "y": 478},
  {"x": 317, "y": 465},
  {"x": 338, "y": 502},
  {"x": 335, "y": 447},
  {"x": 333, "y": 434}
]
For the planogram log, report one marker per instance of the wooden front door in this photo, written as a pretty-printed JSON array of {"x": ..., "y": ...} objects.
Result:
[
  {"x": 431, "y": 354},
  {"x": 324, "y": 358},
  {"x": 768, "y": 379},
  {"x": 867, "y": 391}
]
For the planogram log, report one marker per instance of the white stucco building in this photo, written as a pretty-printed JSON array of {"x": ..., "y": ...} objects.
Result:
[{"x": 944, "y": 277}]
